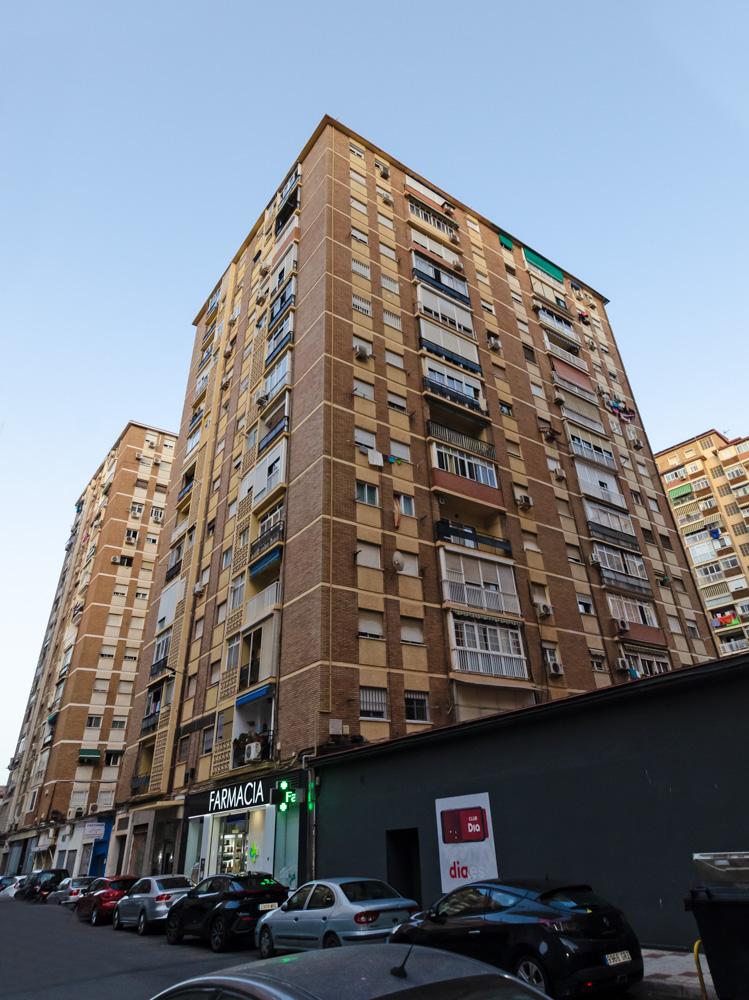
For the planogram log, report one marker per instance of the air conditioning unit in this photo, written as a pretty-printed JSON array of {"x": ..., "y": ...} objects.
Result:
[
  {"x": 135, "y": 513},
  {"x": 454, "y": 238},
  {"x": 362, "y": 353},
  {"x": 549, "y": 434},
  {"x": 157, "y": 461},
  {"x": 594, "y": 559},
  {"x": 233, "y": 319},
  {"x": 198, "y": 589},
  {"x": 129, "y": 541},
  {"x": 227, "y": 350},
  {"x": 458, "y": 266},
  {"x": 523, "y": 501},
  {"x": 94, "y": 807},
  {"x": 225, "y": 383},
  {"x": 637, "y": 444},
  {"x": 622, "y": 664},
  {"x": 387, "y": 198},
  {"x": 591, "y": 344},
  {"x": 115, "y": 560},
  {"x": 262, "y": 296},
  {"x": 261, "y": 401},
  {"x": 555, "y": 669},
  {"x": 544, "y": 610},
  {"x": 384, "y": 172},
  {"x": 494, "y": 344},
  {"x": 138, "y": 455},
  {"x": 559, "y": 473},
  {"x": 559, "y": 397},
  {"x": 264, "y": 267},
  {"x": 252, "y": 751},
  {"x": 622, "y": 625},
  {"x": 448, "y": 209}
]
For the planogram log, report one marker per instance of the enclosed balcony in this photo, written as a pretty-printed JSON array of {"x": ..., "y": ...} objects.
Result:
[
  {"x": 470, "y": 538},
  {"x": 463, "y": 441},
  {"x": 479, "y": 661},
  {"x": 455, "y": 396},
  {"x": 150, "y": 723},
  {"x": 457, "y": 590}
]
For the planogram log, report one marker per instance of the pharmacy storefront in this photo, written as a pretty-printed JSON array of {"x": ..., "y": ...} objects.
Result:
[{"x": 235, "y": 828}]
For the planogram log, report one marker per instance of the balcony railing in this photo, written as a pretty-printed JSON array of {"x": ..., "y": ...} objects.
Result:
[
  {"x": 594, "y": 456},
  {"x": 139, "y": 782},
  {"x": 456, "y": 359},
  {"x": 734, "y": 646},
  {"x": 477, "y": 661},
  {"x": 462, "y": 441},
  {"x": 185, "y": 490},
  {"x": 202, "y": 383},
  {"x": 262, "y": 601},
  {"x": 610, "y": 496},
  {"x": 150, "y": 722},
  {"x": 430, "y": 385},
  {"x": 625, "y": 581},
  {"x": 196, "y": 418},
  {"x": 181, "y": 527},
  {"x": 279, "y": 307},
  {"x": 173, "y": 571},
  {"x": 570, "y": 413},
  {"x": 571, "y": 387},
  {"x": 255, "y": 751},
  {"x": 568, "y": 356},
  {"x": 549, "y": 319},
  {"x": 471, "y": 539},
  {"x": 208, "y": 332},
  {"x": 158, "y": 667},
  {"x": 277, "y": 348},
  {"x": 272, "y": 434},
  {"x": 607, "y": 534},
  {"x": 268, "y": 538},
  {"x": 458, "y": 591}
]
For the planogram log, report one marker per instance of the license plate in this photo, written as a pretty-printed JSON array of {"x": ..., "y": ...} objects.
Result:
[
  {"x": 617, "y": 956},
  {"x": 268, "y": 906}
]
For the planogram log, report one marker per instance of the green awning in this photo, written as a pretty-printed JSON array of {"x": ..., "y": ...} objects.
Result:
[
  {"x": 505, "y": 241},
  {"x": 52, "y": 717},
  {"x": 89, "y": 754},
  {"x": 543, "y": 263},
  {"x": 680, "y": 491}
]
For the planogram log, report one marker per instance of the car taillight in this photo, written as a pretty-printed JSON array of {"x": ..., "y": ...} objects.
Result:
[
  {"x": 562, "y": 926},
  {"x": 107, "y": 897},
  {"x": 73, "y": 892},
  {"x": 163, "y": 897},
  {"x": 366, "y": 917}
]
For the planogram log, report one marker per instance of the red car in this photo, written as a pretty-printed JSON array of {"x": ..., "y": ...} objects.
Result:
[{"x": 99, "y": 902}]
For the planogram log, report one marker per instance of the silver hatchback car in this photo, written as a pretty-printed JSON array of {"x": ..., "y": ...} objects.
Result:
[
  {"x": 149, "y": 900},
  {"x": 331, "y": 912}
]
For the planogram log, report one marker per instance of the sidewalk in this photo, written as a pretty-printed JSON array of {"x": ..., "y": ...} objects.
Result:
[{"x": 673, "y": 974}]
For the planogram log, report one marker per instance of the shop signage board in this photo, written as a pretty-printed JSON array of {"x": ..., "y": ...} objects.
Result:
[
  {"x": 94, "y": 831},
  {"x": 465, "y": 836},
  {"x": 234, "y": 795}
]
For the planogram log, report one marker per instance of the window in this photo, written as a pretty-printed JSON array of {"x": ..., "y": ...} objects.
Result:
[
  {"x": 136, "y": 509},
  {"x": 389, "y": 284},
  {"x": 426, "y": 215},
  {"x": 637, "y": 497},
  {"x": 355, "y": 150},
  {"x": 574, "y": 555},
  {"x": 368, "y": 555},
  {"x": 653, "y": 503},
  {"x": 417, "y": 706},
  {"x": 400, "y": 450},
  {"x": 198, "y": 633},
  {"x": 244, "y": 538},
  {"x": 385, "y": 220},
  {"x": 370, "y": 624},
  {"x": 585, "y": 604},
  {"x": 529, "y": 354},
  {"x": 460, "y": 463},
  {"x": 537, "y": 390},
  {"x": 356, "y": 176},
  {"x": 226, "y": 558},
  {"x": 706, "y": 443},
  {"x": 358, "y": 235},
  {"x": 361, "y": 305},
  {"x": 372, "y": 703},
  {"x": 665, "y": 541},
  {"x": 363, "y": 389},
  {"x": 396, "y": 360},
  {"x": 367, "y": 493},
  {"x": 486, "y": 638},
  {"x": 360, "y": 268},
  {"x": 150, "y": 540},
  {"x": 739, "y": 529},
  {"x": 231, "y": 509},
  {"x": 119, "y": 723},
  {"x": 93, "y": 722},
  {"x": 598, "y": 665},
  {"x": 628, "y": 609},
  {"x": 101, "y": 685},
  {"x": 364, "y": 439},
  {"x": 207, "y": 740},
  {"x": 358, "y": 205},
  {"x": 157, "y": 513},
  {"x": 692, "y": 630},
  {"x": 236, "y": 592},
  {"x": 716, "y": 471},
  {"x": 391, "y": 319},
  {"x": 405, "y": 503},
  {"x": 221, "y": 613},
  {"x": 412, "y": 630},
  {"x": 387, "y": 251},
  {"x": 674, "y": 624},
  {"x": 131, "y": 535},
  {"x": 648, "y": 535},
  {"x": 621, "y": 561},
  {"x": 396, "y": 402}
]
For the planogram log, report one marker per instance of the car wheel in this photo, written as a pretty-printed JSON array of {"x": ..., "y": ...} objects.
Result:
[
  {"x": 116, "y": 922},
  {"x": 218, "y": 935},
  {"x": 267, "y": 949},
  {"x": 173, "y": 930},
  {"x": 142, "y": 927},
  {"x": 95, "y": 921},
  {"x": 331, "y": 941},
  {"x": 529, "y": 970}
]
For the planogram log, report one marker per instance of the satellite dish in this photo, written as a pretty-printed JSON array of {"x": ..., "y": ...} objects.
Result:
[{"x": 399, "y": 563}]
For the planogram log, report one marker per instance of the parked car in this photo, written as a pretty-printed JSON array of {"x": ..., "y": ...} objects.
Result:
[
  {"x": 223, "y": 908},
  {"x": 149, "y": 901},
  {"x": 36, "y": 885},
  {"x": 330, "y": 912},
  {"x": 10, "y": 884},
  {"x": 70, "y": 889},
  {"x": 559, "y": 937},
  {"x": 98, "y": 904},
  {"x": 364, "y": 972}
]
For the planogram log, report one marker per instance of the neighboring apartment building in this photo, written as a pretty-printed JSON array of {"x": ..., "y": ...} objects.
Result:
[
  {"x": 411, "y": 488},
  {"x": 707, "y": 485},
  {"x": 60, "y": 797}
]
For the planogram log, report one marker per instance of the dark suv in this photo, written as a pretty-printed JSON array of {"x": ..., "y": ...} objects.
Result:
[{"x": 38, "y": 885}]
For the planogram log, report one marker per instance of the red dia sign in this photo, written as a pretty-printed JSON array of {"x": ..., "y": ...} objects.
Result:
[{"x": 461, "y": 826}]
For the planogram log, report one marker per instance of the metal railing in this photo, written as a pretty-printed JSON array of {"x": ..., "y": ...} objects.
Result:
[
  {"x": 149, "y": 723},
  {"x": 471, "y": 539},
  {"x": 449, "y": 436},
  {"x": 430, "y": 385},
  {"x": 625, "y": 581},
  {"x": 571, "y": 387},
  {"x": 443, "y": 352},
  {"x": 262, "y": 601},
  {"x": 185, "y": 490},
  {"x": 601, "y": 457},
  {"x": 568, "y": 356},
  {"x": 477, "y": 661},
  {"x": 547, "y": 318},
  {"x": 272, "y": 434},
  {"x": 173, "y": 571},
  {"x": 158, "y": 666},
  {"x": 261, "y": 750},
  {"x": 181, "y": 527},
  {"x": 593, "y": 490},
  {"x": 456, "y": 590},
  {"x": 734, "y": 645},
  {"x": 138, "y": 782},
  {"x": 579, "y": 418},
  {"x": 268, "y": 538}
]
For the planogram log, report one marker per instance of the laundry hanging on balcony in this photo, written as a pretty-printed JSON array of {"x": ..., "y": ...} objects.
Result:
[{"x": 721, "y": 621}]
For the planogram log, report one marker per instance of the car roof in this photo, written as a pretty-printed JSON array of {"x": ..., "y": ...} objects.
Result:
[
  {"x": 535, "y": 886},
  {"x": 366, "y": 970},
  {"x": 340, "y": 879}
]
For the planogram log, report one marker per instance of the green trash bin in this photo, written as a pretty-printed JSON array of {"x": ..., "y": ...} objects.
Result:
[{"x": 722, "y": 914}]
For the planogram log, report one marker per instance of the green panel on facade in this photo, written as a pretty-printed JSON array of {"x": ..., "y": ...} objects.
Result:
[
  {"x": 680, "y": 491},
  {"x": 543, "y": 263}
]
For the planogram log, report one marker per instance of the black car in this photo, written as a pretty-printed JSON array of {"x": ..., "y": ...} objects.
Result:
[
  {"x": 38, "y": 885},
  {"x": 223, "y": 908},
  {"x": 558, "y": 937}
]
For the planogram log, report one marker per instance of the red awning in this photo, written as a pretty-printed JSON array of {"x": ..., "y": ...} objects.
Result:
[{"x": 572, "y": 374}]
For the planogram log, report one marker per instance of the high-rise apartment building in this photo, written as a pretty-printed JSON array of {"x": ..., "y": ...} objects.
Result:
[
  {"x": 59, "y": 804},
  {"x": 411, "y": 488},
  {"x": 706, "y": 483}
]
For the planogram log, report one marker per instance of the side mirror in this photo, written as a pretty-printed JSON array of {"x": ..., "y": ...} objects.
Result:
[
  {"x": 284, "y": 906},
  {"x": 434, "y": 914}
]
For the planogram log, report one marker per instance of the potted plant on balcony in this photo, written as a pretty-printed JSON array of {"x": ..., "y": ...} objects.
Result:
[{"x": 241, "y": 741}]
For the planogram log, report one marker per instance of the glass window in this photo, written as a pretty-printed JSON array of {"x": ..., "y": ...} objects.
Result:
[
  {"x": 299, "y": 898},
  {"x": 321, "y": 898},
  {"x": 372, "y": 703}
]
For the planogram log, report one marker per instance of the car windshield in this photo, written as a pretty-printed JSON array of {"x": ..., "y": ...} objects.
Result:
[
  {"x": 79, "y": 883},
  {"x": 175, "y": 882},
  {"x": 361, "y": 889},
  {"x": 51, "y": 877},
  {"x": 118, "y": 884},
  {"x": 469, "y": 988},
  {"x": 580, "y": 898},
  {"x": 260, "y": 880}
]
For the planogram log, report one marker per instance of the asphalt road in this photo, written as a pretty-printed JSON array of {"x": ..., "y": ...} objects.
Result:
[{"x": 49, "y": 955}]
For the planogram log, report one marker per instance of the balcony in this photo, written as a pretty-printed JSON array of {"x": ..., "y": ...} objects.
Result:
[
  {"x": 204, "y": 361},
  {"x": 273, "y": 433},
  {"x": 554, "y": 323},
  {"x": 197, "y": 417},
  {"x": 457, "y": 591},
  {"x": 180, "y": 529},
  {"x": 439, "y": 389},
  {"x": 253, "y": 751},
  {"x": 602, "y": 458},
  {"x": 208, "y": 332},
  {"x": 477, "y": 661},
  {"x": 469, "y": 538},
  {"x": 200, "y": 387},
  {"x": 568, "y": 356},
  {"x": 185, "y": 490},
  {"x": 279, "y": 306},
  {"x": 276, "y": 350},
  {"x": 571, "y": 387},
  {"x": 173, "y": 571},
  {"x": 609, "y": 496},
  {"x": 268, "y": 538},
  {"x": 158, "y": 667},
  {"x": 462, "y": 441},
  {"x": 734, "y": 645},
  {"x": 262, "y": 601},
  {"x": 150, "y": 722},
  {"x": 139, "y": 784},
  {"x": 455, "y": 359},
  {"x": 606, "y": 534},
  {"x": 614, "y": 578}
]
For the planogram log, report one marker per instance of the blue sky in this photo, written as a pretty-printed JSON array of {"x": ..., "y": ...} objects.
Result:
[{"x": 142, "y": 141}]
